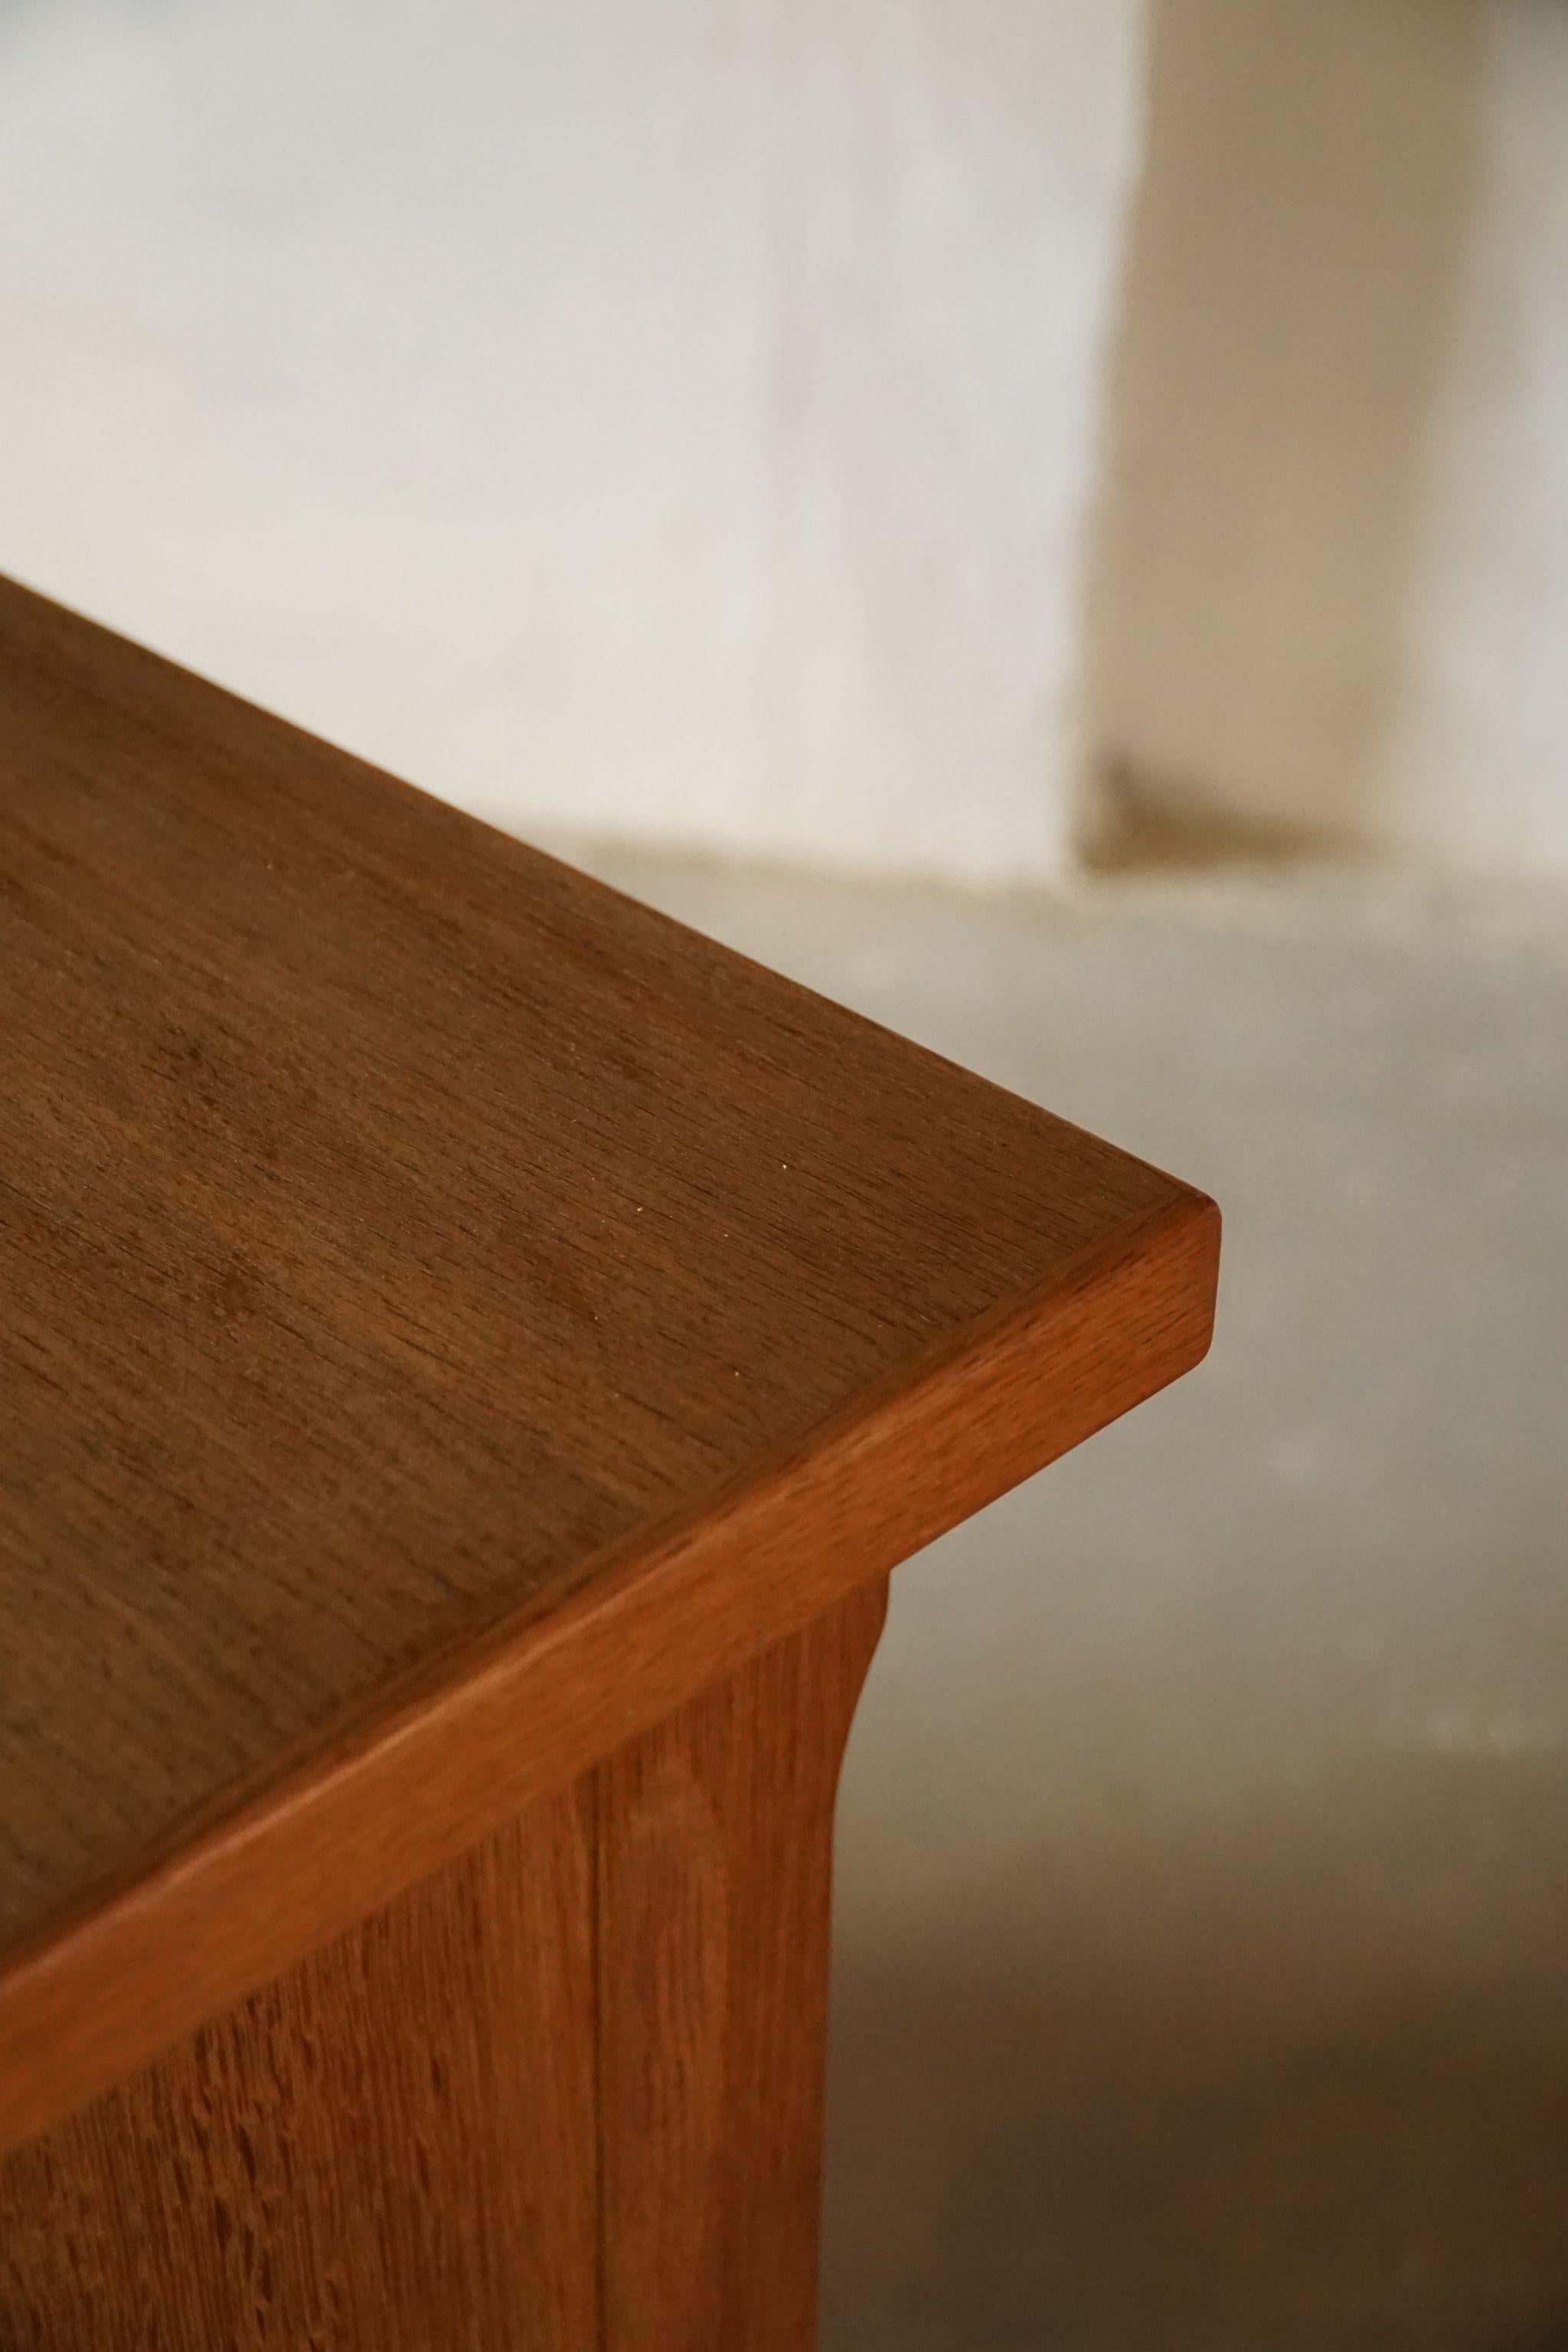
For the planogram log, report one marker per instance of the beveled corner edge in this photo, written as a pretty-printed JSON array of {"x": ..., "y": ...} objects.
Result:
[{"x": 526, "y": 1706}]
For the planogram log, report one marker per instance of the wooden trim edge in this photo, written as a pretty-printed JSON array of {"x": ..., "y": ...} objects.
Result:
[{"x": 530, "y": 1704}]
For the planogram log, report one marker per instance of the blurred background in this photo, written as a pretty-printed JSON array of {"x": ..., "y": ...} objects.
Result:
[{"x": 1048, "y": 519}]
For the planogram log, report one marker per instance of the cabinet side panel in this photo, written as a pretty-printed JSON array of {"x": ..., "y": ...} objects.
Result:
[{"x": 393, "y": 2145}]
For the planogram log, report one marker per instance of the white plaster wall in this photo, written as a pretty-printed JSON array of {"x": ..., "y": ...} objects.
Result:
[{"x": 670, "y": 418}]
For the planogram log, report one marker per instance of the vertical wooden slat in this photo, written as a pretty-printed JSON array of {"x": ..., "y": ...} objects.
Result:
[{"x": 715, "y": 1849}]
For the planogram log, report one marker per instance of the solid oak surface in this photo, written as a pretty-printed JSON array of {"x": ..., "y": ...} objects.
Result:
[
  {"x": 392, "y": 2148},
  {"x": 451, "y": 1314},
  {"x": 564, "y": 2094}
]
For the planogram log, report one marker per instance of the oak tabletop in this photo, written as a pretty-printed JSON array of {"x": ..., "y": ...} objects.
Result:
[{"x": 400, "y": 1232}]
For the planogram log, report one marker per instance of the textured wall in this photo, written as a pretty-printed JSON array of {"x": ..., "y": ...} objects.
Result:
[
  {"x": 1477, "y": 761},
  {"x": 1331, "y": 579},
  {"x": 682, "y": 419},
  {"x": 667, "y": 418}
]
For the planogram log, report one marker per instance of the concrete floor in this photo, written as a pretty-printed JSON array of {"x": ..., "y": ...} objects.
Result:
[{"x": 1203, "y": 1894}]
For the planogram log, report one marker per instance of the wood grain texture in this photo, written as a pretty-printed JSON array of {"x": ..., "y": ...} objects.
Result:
[
  {"x": 715, "y": 1835},
  {"x": 451, "y": 1315},
  {"x": 563, "y": 2095},
  {"x": 392, "y": 2149}
]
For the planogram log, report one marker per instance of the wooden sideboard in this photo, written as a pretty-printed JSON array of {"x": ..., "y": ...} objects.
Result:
[{"x": 471, "y": 1352}]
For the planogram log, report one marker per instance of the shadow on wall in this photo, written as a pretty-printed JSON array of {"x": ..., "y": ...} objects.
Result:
[
  {"x": 1232, "y": 2108},
  {"x": 1289, "y": 285}
]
